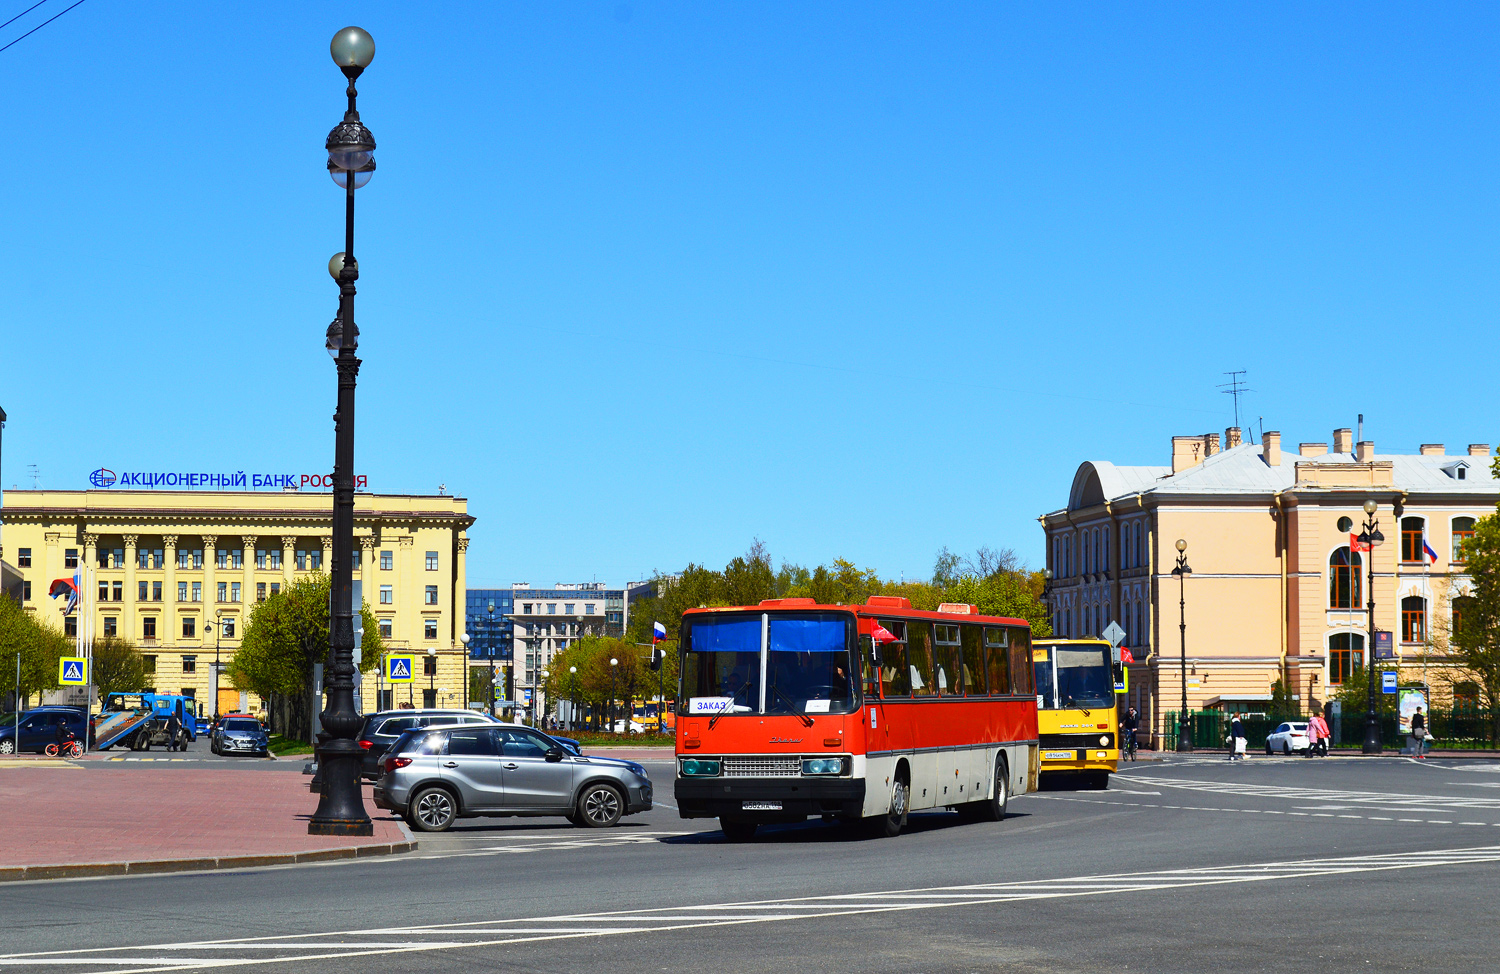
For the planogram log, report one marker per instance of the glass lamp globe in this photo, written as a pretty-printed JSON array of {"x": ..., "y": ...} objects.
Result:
[
  {"x": 352, "y": 49},
  {"x": 1181, "y": 545},
  {"x": 340, "y": 176},
  {"x": 336, "y": 264}
]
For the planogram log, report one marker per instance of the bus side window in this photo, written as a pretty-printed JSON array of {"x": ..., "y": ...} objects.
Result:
[
  {"x": 868, "y": 673},
  {"x": 998, "y": 659},
  {"x": 1021, "y": 671},
  {"x": 895, "y": 678},
  {"x": 919, "y": 653},
  {"x": 948, "y": 659},
  {"x": 973, "y": 657}
]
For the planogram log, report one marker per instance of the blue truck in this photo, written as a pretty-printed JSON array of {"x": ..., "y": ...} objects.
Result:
[{"x": 139, "y": 720}]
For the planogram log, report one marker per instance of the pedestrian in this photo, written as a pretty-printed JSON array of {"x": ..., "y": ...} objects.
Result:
[
  {"x": 1318, "y": 735},
  {"x": 1419, "y": 733},
  {"x": 1237, "y": 738}
]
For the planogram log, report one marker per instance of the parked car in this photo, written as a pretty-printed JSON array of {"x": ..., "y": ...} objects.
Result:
[
  {"x": 240, "y": 735},
  {"x": 434, "y": 776},
  {"x": 381, "y": 729},
  {"x": 572, "y": 746},
  {"x": 1288, "y": 737},
  {"x": 38, "y": 728}
]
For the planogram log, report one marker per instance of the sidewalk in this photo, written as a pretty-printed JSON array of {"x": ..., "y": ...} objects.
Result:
[{"x": 113, "y": 822}]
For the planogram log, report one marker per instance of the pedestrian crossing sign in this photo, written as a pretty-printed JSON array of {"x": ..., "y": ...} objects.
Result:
[
  {"x": 399, "y": 667},
  {"x": 73, "y": 671}
]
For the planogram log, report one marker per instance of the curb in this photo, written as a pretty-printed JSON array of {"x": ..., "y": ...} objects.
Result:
[{"x": 16, "y": 874}]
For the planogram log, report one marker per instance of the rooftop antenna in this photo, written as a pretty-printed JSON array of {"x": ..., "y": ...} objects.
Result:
[
  {"x": 1235, "y": 387},
  {"x": 36, "y": 476}
]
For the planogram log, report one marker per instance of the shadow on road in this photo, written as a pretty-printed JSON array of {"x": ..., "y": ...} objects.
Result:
[{"x": 825, "y": 832}]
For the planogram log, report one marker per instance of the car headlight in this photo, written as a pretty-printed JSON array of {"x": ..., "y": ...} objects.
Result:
[
  {"x": 823, "y": 766},
  {"x": 700, "y": 767}
]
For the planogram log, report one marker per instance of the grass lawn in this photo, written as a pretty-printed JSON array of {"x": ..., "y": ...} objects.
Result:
[
  {"x": 600, "y": 739},
  {"x": 281, "y": 745}
]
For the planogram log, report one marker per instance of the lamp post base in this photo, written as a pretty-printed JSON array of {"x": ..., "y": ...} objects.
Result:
[
  {"x": 1184, "y": 736},
  {"x": 1373, "y": 743},
  {"x": 341, "y": 810}
]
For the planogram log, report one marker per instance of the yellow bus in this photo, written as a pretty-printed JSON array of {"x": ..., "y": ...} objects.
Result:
[{"x": 1076, "y": 720}]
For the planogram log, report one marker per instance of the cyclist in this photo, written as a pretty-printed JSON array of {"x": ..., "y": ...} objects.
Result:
[
  {"x": 65, "y": 736},
  {"x": 1129, "y": 725}
]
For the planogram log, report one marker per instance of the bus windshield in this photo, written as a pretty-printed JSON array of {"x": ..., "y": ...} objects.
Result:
[
  {"x": 767, "y": 663},
  {"x": 1075, "y": 677}
]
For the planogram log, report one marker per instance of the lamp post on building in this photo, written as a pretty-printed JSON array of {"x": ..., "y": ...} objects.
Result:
[
  {"x": 1371, "y": 538},
  {"x": 1182, "y": 571}
]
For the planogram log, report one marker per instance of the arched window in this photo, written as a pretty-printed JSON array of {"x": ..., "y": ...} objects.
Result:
[
  {"x": 1466, "y": 697},
  {"x": 1125, "y": 621},
  {"x": 1067, "y": 556},
  {"x": 1346, "y": 657},
  {"x": 1109, "y": 560},
  {"x": 1343, "y": 579},
  {"x": 1413, "y": 619},
  {"x": 1098, "y": 564},
  {"x": 1140, "y": 551},
  {"x": 1412, "y": 531},
  {"x": 1463, "y": 530},
  {"x": 1105, "y": 618},
  {"x": 1140, "y": 623}
]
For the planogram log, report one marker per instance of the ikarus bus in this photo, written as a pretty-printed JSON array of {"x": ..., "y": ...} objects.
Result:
[{"x": 1076, "y": 719}]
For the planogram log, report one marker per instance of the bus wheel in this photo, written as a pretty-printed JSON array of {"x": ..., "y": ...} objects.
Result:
[
  {"x": 992, "y": 809},
  {"x": 737, "y": 831},
  {"x": 1098, "y": 780},
  {"x": 889, "y": 825}
]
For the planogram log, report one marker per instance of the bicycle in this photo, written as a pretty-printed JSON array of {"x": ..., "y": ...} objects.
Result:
[
  {"x": 1130, "y": 743},
  {"x": 72, "y": 749}
]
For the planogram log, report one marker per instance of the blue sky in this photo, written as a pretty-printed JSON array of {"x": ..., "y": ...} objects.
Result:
[{"x": 645, "y": 281}]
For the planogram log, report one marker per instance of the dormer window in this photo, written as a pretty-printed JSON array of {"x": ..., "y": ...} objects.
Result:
[{"x": 1458, "y": 471}]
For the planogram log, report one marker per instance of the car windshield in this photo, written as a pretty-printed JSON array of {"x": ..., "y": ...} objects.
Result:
[
  {"x": 1074, "y": 677},
  {"x": 805, "y": 658},
  {"x": 242, "y": 725}
]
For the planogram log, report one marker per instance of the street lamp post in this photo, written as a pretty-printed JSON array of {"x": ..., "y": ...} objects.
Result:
[
  {"x": 536, "y": 699},
  {"x": 463, "y": 637},
  {"x": 490, "y": 643},
  {"x": 1371, "y": 538},
  {"x": 610, "y": 715},
  {"x": 573, "y": 696},
  {"x": 341, "y": 810},
  {"x": 218, "y": 630},
  {"x": 432, "y": 674},
  {"x": 1182, "y": 571}
]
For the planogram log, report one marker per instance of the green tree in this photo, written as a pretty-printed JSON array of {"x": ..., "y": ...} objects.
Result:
[
  {"x": 38, "y": 645},
  {"x": 118, "y": 666},
  {"x": 1475, "y": 643}
]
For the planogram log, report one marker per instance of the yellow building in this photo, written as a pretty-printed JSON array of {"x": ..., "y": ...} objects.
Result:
[
  {"x": 177, "y": 572},
  {"x": 1275, "y": 592}
]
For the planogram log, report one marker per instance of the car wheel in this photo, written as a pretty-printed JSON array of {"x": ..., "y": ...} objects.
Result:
[
  {"x": 1268, "y": 748},
  {"x": 1286, "y": 748},
  {"x": 432, "y": 810},
  {"x": 7, "y": 747},
  {"x": 737, "y": 831},
  {"x": 600, "y": 806}
]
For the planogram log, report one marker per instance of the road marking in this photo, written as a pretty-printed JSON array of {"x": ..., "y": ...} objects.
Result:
[
  {"x": 1244, "y": 811},
  {"x": 501, "y": 931},
  {"x": 1326, "y": 796},
  {"x": 540, "y": 842}
]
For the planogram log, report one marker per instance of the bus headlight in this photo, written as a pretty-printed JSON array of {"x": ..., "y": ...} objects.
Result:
[
  {"x": 1104, "y": 740},
  {"x": 823, "y": 766},
  {"x": 700, "y": 767}
]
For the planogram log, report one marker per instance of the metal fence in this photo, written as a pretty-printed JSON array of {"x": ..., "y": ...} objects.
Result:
[{"x": 1465, "y": 728}]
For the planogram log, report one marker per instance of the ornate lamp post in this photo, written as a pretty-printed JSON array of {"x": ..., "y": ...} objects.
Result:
[
  {"x": 1371, "y": 538},
  {"x": 490, "y": 642},
  {"x": 463, "y": 637},
  {"x": 1182, "y": 571},
  {"x": 573, "y": 691},
  {"x": 218, "y": 630},
  {"x": 341, "y": 810},
  {"x": 536, "y": 700},
  {"x": 610, "y": 715}
]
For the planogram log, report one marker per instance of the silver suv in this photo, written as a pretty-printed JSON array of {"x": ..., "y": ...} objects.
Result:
[{"x": 434, "y": 775}]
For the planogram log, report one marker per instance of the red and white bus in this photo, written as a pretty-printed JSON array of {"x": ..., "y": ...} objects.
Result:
[{"x": 792, "y": 709}]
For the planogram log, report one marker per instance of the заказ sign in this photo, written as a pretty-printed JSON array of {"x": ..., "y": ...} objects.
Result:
[{"x": 104, "y": 477}]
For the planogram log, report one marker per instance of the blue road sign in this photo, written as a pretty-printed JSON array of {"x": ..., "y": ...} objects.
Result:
[
  {"x": 1387, "y": 682},
  {"x": 399, "y": 668},
  {"x": 72, "y": 671}
]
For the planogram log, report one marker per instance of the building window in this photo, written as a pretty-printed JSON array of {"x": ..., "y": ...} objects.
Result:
[
  {"x": 148, "y": 627},
  {"x": 588, "y": 608},
  {"x": 275, "y": 588},
  {"x": 25, "y": 591},
  {"x": 182, "y": 591},
  {"x": 1343, "y": 579},
  {"x": 432, "y": 561},
  {"x": 223, "y": 592},
  {"x": 260, "y": 558},
  {"x": 1411, "y": 538},
  {"x": 429, "y": 665},
  {"x": 197, "y": 591},
  {"x": 429, "y": 597},
  {"x": 198, "y": 559},
  {"x": 568, "y": 609},
  {"x": 387, "y": 561},
  {"x": 23, "y": 557},
  {"x": 274, "y": 559},
  {"x": 1413, "y": 619},
  {"x": 142, "y": 588},
  {"x": 387, "y": 595},
  {"x": 70, "y": 626},
  {"x": 103, "y": 591},
  {"x": 1346, "y": 656},
  {"x": 70, "y": 557},
  {"x": 190, "y": 664},
  {"x": 355, "y": 557},
  {"x": 260, "y": 591},
  {"x": 1456, "y": 617},
  {"x": 429, "y": 628},
  {"x": 221, "y": 558},
  {"x": 315, "y": 559},
  {"x": 385, "y": 629},
  {"x": 228, "y": 627},
  {"x": 234, "y": 591},
  {"x": 1109, "y": 559},
  {"x": 112, "y": 628},
  {"x": 189, "y": 627},
  {"x": 552, "y": 608},
  {"x": 148, "y": 663},
  {"x": 156, "y": 591},
  {"x": 526, "y": 608},
  {"x": 1463, "y": 530},
  {"x": 119, "y": 591},
  {"x": 301, "y": 559}
]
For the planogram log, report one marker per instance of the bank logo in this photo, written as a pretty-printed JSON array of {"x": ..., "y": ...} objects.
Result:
[{"x": 102, "y": 478}]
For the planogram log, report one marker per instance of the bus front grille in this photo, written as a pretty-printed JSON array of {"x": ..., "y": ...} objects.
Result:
[
  {"x": 1076, "y": 740},
  {"x": 767, "y": 767}
]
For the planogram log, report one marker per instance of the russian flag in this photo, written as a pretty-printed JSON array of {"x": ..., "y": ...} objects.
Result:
[
  {"x": 1430, "y": 553},
  {"x": 658, "y": 632}
]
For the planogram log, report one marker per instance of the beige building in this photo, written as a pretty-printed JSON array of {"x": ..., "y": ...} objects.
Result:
[
  {"x": 1275, "y": 591},
  {"x": 177, "y": 572}
]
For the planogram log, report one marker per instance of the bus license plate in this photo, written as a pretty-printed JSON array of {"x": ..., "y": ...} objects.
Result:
[
  {"x": 760, "y": 806},
  {"x": 1059, "y": 755}
]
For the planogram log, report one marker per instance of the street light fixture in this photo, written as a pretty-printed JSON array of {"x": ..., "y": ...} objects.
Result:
[
  {"x": 536, "y": 700},
  {"x": 1182, "y": 571},
  {"x": 463, "y": 637},
  {"x": 1371, "y": 538},
  {"x": 341, "y": 810},
  {"x": 573, "y": 693},
  {"x": 613, "y": 662},
  {"x": 218, "y": 630},
  {"x": 490, "y": 639}
]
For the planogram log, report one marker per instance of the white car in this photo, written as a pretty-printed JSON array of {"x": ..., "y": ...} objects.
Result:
[{"x": 1288, "y": 737}]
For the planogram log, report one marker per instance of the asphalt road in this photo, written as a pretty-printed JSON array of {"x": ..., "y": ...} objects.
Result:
[{"x": 1192, "y": 864}]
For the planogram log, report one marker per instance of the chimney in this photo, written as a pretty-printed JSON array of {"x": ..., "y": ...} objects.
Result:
[
  {"x": 1270, "y": 448},
  {"x": 1364, "y": 451},
  {"x": 1312, "y": 449},
  {"x": 1479, "y": 449},
  {"x": 1211, "y": 441},
  {"x": 1343, "y": 441},
  {"x": 1432, "y": 449},
  {"x": 1232, "y": 438},
  {"x": 1187, "y": 451}
]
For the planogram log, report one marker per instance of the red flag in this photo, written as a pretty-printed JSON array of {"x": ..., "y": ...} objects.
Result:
[
  {"x": 1125, "y": 655},
  {"x": 882, "y": 634},
  {"x": 1355, "y": 545}
]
